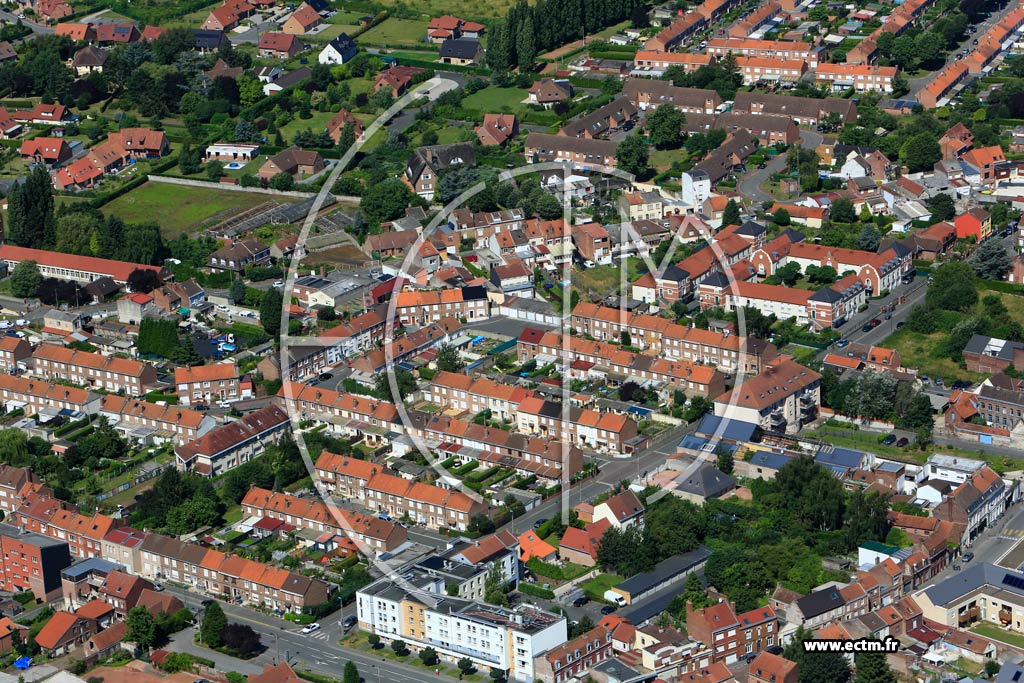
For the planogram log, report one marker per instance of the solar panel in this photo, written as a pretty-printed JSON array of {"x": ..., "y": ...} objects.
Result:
[{"x": 1014, "y": 581}]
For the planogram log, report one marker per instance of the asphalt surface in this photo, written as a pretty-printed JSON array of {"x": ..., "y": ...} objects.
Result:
[
  {"x": 38, "y": 29},
  {"x": 750, "y": 184}
]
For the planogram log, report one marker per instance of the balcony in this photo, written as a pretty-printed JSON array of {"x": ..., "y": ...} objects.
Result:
[{"x": 777, "y": 420}]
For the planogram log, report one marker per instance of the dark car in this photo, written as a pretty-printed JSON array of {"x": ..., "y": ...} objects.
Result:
[
  {"x": 903, "y": 442},
  {"x": 324, "y": 376},
  {"x": 968, "y": 557},
  {"x": 889, "y": 440},
  {"x": 842, "y": 343},
  {"x": 960, "y": 384},
  {"x": 349, "y": 622},
  {"x": 207, "y": 602},
  {"x": 539, "y": 523},
  {"x": 900, "y": 324},
  {"x": 607, "y": 609},
  {"x": 874, "y": 322},
  {"x": 762, "y": 165},
  {"x": 580, "y": 601}
]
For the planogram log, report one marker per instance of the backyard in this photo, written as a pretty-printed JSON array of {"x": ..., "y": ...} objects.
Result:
[
  {"x": 178, "y": 211},
  {"x": 395, "y": 32},
  {"x": 493, "y": 99},
  {"x": 595, "y": 587}
]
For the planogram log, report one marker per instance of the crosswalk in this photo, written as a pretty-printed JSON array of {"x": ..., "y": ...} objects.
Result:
[
  {"x": 319, "y": 635},
  {"x": 1012, "y": 534}
]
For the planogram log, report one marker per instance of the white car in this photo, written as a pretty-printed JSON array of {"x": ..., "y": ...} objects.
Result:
[
  {"x": 311, "y": 628},
  {"x": 279, "y": 284},
  {"x": 221, "y": 308}
]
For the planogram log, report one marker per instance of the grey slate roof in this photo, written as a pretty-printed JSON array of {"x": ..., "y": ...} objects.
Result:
[
  {"x": 973, "y": 578},
  {"x": 707, "y": 482}
]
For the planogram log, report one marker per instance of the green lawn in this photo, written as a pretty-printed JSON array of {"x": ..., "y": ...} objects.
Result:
[
  {"x": 990, "y": 630},
  {"x": 345, "y": 17},
  {"x": 493, "y": 99},
  {"x": 335, "y": 30},
  {"x": 179, "y": 209},
  {"x": 596, "y": 587},
  {"x": 394, "y": 32},
  {"x": 470, "y": 10},
  {"x": 601, "y": 280},
  {"x": 317, "y": 123},
  {"x": 662, "y": 159}
]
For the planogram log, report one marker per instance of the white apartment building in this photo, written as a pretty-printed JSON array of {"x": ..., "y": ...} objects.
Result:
[{"x": 420, "y": 614}]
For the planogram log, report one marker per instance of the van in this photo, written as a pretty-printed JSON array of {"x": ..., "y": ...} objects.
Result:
[{"x": 615, "y": 598}]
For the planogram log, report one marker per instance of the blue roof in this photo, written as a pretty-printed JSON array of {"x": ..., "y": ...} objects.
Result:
[
  {"x": 638, "y": 410},
  {"x": 693, "y": 443},
  {"x": 770, "y": 460},
  {"x": 722, "y": 428},
  {"x": 844, "y": 457},
  {"x": 89, "y": 565},
  {"x": 889, "y": 466}
]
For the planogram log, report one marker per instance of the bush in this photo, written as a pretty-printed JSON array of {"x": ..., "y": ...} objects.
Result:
[{"x": 536, "y": 591}]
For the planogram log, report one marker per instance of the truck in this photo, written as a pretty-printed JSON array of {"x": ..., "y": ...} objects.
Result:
[{"x": 615, "y": 598}]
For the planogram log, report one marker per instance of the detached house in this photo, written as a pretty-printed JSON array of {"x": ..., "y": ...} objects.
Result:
[
  {"x": 338, "y": 51},
  {"x": 425, "y": 163},
  {"x": 302, "y": 20},
  {"x": 43, "y": 150},
  {"x": 548, "y": 91},
  {"x": 279, "y": 45},
  {"x": 239, "y": 254},
  {"x": 398, "y": 79},
  {"x": 461, "y": 51},
  {"x": 294, "y": 161},
  {"x": 497, "y": 129},
  {"x": 229, "y": 15}
]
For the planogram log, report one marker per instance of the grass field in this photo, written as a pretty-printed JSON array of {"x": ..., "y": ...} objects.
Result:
[
  {"x": 600, "y": 280},
  {"x": 493, "y": 99},
  {"x": 317, "y": 123},
  {"x": 335, "y": 30},
  {"x": 471, "y": 11},
  {"x": 918, "y": 350},
  {"x": 178, "y": 209},
  {"x": 596, "y": 587},
  {"x": 346, "y": 17},
  {"x": 395, "y": 32}
]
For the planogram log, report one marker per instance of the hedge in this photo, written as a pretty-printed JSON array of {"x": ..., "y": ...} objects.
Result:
[{"x": 536, "y": 591}]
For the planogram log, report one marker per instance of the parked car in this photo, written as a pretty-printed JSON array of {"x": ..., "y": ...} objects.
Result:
[
  {"x": 924, "y": 380},
  {"x": 903, "y": 442},
  {"x": 539, "y": 523},
  {"x": 889, "y": 440},
  {"x": 842, "y": 343},
  {"x": 310, "y": 628},
  {"x": 324, "y": 376},
  {"x": 938, "y": 381},
  {"x": 968, "y": 557},
  {"x": 349, "y": 622},
  {"x": 580, "y": 601},
  {"x": 608, "y": 609}
]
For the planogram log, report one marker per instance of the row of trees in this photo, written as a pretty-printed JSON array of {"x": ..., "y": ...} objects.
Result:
[{"x": 528, "y": 30}]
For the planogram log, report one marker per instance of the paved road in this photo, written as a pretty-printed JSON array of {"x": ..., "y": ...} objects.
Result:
[
  {"x": 750, "y": 184},
  {"x": 318, "y": 652},
  {"x": 36, "y": 28}
]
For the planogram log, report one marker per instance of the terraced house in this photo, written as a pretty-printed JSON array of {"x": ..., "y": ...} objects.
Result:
[
  {"x": 583, "y": 427},
  {"x": 346, "y": 413},
  {"x": 145, "y": 421},
  {"x": 93, "y": 370},
  {"x": 476, "y": 394},
  {"x": 235, "y": 443},
  {"x": 204, "y": 384},
  {"x": 38, "y": 397}
]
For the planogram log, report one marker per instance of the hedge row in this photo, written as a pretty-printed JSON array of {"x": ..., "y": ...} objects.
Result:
[{"x": 536, "y": 591}]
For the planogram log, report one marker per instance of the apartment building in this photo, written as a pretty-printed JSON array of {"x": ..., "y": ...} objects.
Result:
[
  {"x": 38, "y": 397},
  {"x": 229, "y": 576},
  {"x": 56, "y": 519},
  {"x": 675, "y": 33},
  {"x": 784, "y": 50},
  {"x": 145, "y": 421},
  {"x": 380, "y": 491},
  {"x": 15, "y": 484},
  {"x": 728, "y": 352},
  {"x": 805, "y": 111},
  {"x": 32, "y": 562},
  {"x": 205, "y": 384},
  {"x": 592, "y": 242},
  {"x": 581, "y": 154},
  {"x": 422, "y": 307},
  {"x": 646, "y": 94},
  {"x": 493, "y": 638},
  {"x": 783, "y": 397},
  {"x": 346, "y": 413},
  {"x": 93, "y": 370},
  {"x": 475, "y": 395},
  {"x": 583, "y": 427},
  {"x": 232, "y": 444},
  {"x": 314, "y": 515},
  {"x": 762, "y": 70},
  {"x": 654, "y": 63},
  {"x": 860, "y": 77},
  {"x": 729, "y": 635},
  {"x": 584, "y": 359},
  {"x": 575, "y": 658},
  {"x": 547, "y": 459}
]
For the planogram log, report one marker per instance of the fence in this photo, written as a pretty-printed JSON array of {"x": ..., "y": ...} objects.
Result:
[{"x": 135, "y": 481}]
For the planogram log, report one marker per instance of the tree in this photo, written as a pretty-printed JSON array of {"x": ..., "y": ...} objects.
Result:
[
  {"x": 326, "y": 314},
  {"x": 25, "y": 279},
  {"x": 428, "y": 656},
  {"x": 494, "y": 588},
  {"x": 992, "y": 260},
  {"x": 143, "y": 280},
  {"x": 374, "y": 640},
  {"x": 952, "y": 287},
  {"x": 214, "y": 170},
  {"x": 270, "y": 311},
  {"x": 404, "y": 381},
  {"x": 465, "y": 666},
  {"x": 398, "y": 646},
  {"x": 190, "y": 160},
  {"x": 448, "y": 359},
  {"x": 386, "y": 201},
  {"x": 351, "y": 674},
  {"x": 481, "y": 523},
  {"x": 731, "y": 213},
  {"x": 141, "y": 628},
  {"x": 843, "y": 211},
  {"x": 282, "y": 181},
  {"x": 868, "y": 239},
  {"x": 942, "y": 207},
  {"x": 824, "y": 667},
  {"x": 214, "y": 622},
  {"x": 347, "y": 138},
  {"x": 920, "y": 152},
  {"x": 872, "y": 667},
  {"x": 665, "y": 126},
  {"x": 724, "y": 459},
  {"x": 241, "y": 639},
  {"x": 237, "y": 291},
  {"x": 632, "y": 155},
  {"x": 781, "y": 217}
]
